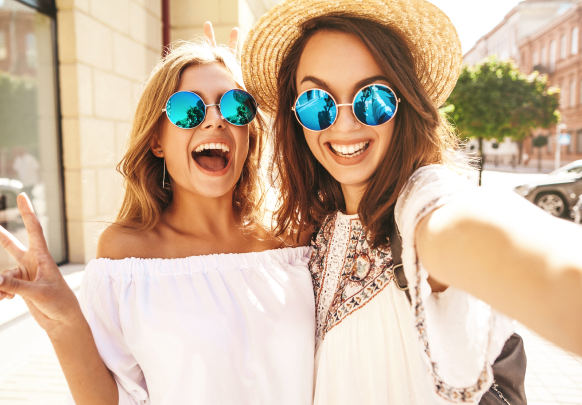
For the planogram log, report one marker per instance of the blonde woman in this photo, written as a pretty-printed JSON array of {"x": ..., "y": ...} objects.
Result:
[{"x": 189, "y": 300}]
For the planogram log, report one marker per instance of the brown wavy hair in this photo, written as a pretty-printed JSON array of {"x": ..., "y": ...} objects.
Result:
[
  {"x": 145, "y": 200},
  {"x": 308, "y": 192}
]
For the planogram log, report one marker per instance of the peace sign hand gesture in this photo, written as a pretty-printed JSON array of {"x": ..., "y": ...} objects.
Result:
[
  {"x": 37, "y": 279},
  {"x": 232, "y": 39}
]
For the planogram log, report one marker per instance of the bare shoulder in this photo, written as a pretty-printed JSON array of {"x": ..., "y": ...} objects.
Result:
[{"x": 123, "y": 239}]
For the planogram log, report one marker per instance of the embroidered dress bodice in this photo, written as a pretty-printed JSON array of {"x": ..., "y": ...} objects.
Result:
[
  {"x": 372, "y": 346},
  {"x": 215, "y": 329}
]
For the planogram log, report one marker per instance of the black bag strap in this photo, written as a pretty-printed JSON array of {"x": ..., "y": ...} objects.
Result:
[{"x": 398, "y": 270}]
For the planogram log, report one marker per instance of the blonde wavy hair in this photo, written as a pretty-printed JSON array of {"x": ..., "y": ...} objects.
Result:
[{"x": 145, "y": 200}]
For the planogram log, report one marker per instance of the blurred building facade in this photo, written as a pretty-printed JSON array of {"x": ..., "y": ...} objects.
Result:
[
  {"x": 522, "y": 20},
  {"x": 555, "y": 50},
  {"x": 70, "y": 76},
  {"x": 541, "y": 35}
]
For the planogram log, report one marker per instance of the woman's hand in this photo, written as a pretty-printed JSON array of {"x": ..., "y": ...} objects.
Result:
[
  {"x": 232, "y": 40},
  {"x": 37, "y": 279}
]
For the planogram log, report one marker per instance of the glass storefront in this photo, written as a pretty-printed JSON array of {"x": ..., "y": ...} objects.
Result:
[{"x": 29, "y": 135}]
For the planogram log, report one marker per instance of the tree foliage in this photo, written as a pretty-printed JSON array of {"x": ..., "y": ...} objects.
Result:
[
  {"x": 494, "y": 100},
  {"x": 540, "y": 141}
]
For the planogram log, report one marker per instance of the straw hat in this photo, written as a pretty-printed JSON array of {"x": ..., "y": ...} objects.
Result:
[{"x": 428, "y": 32}]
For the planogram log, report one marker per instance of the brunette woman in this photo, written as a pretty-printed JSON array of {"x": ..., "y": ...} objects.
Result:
[
  {"x": 189, "y": 301},
  {"x": 360, "y": 150}
]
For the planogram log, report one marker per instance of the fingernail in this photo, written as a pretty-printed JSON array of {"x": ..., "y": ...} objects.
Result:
[{"x": 1, "y": 280}]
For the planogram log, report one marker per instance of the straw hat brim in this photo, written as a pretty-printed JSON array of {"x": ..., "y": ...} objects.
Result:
[{"x": 428, "y": 32}]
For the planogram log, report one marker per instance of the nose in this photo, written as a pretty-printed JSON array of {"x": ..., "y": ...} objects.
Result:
[
  {"x": 346, "y": 121},
  {"x": 213, "y": 119}
]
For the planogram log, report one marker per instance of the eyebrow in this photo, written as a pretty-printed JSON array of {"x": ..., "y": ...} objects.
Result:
[
  {"x": 315, "y": 80},
  {"x": 370, "y": 80},
  {"x": 357, "y": 86}
]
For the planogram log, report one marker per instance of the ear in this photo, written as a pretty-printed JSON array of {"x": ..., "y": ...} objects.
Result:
[{"x": 156, "y": 147}]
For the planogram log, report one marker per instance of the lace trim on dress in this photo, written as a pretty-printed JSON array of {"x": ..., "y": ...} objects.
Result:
[
  {"x": 332, "y": 244},
  {"x": 346, "y": 272}
]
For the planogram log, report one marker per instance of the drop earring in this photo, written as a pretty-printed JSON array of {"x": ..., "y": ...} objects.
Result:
[{"x": 164, "y": 176}]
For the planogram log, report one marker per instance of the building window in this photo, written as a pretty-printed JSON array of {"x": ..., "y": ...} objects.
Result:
[
  {"x": 572, "y": 93},
  {"x": 31, "y": 57},
  {"x": 552, "y": 56},
  {"x": 579, "y": 141},
  {"x": 3, "y": 47},
  {"x": 543, "y": 56},
  {"x": 574, "y": 47},
  {"x": 570, "y": 146},
  {"x": 29, "y": 137},
  {"x": 535, "y": 59},
  {"x": 563, "y": 47}
]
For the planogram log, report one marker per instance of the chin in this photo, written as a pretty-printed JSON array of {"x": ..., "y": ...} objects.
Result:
[
  {"x": 352, "y": 177},
  {"x": 213, "y": 188}
]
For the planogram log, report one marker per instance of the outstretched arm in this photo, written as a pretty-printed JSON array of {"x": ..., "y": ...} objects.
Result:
[
  {"x": 512, "y": 255},
  {"x": 56, "y": 309}
]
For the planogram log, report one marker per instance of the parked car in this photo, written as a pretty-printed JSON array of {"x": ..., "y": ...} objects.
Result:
[
  {"x": 558, "y": 192},
  {"x": 577, "y": 211}
]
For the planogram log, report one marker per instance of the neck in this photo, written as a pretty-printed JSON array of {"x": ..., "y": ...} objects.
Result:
[
  {"x": 192, "y": 214},
  {"x": 352, "y": 196}
]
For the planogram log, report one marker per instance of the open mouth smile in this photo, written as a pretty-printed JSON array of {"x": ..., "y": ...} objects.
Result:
[
  {"x": 212, "y": 157},
  {"x": 349, "y": 151}
]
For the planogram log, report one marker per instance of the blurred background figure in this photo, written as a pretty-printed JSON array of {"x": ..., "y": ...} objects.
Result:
[{"x": 27, "y": 168}]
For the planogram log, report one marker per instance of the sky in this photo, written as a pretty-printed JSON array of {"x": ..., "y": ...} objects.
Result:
[{"x": 474, "y": 18}]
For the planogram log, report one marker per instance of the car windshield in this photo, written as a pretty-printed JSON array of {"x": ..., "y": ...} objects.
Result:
[{"x": 573, "y": 169}]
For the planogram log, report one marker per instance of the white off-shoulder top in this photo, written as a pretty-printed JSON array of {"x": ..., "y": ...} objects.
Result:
[
  {"x": 372, "y": 346},
  {"x": 217, "y": 329}
]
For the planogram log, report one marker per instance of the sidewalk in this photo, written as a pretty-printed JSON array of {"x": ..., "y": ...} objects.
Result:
[
  {"x": 29, "y": 369},
  {"x": 518, "y": 169},
  {"x": 553, "y": 376}
]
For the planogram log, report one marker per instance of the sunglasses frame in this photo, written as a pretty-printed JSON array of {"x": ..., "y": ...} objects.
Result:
[
  {"x": 343, "y": 105},
  {"x": 212, "y": 105}
]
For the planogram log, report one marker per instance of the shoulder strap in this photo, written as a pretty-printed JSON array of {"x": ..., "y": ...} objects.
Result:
[{"x": 396, "y": 249}]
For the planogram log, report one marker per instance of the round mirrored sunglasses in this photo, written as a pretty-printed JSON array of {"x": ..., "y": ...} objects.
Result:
[
  {"x": 373, "y": 105},
  {"x": 185, "y": 109}
]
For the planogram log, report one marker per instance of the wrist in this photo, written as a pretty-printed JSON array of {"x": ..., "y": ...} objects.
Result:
[{"x": 74, "y": 325}]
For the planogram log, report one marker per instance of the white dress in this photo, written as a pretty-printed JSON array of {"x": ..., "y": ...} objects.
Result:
[
  {"x": 218, "y": 329},
  {"x": 372, "y": 346}
]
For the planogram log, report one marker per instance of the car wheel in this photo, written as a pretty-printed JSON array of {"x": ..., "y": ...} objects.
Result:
[{"x": 552, "y": 203}]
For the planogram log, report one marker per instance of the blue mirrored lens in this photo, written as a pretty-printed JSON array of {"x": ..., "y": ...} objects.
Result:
[
  {"x": 316, "y": 110},
  {"x": 238, "y": 107},
  {"x": 185, "y": 110},
  {"x": 375, "y": 105}
]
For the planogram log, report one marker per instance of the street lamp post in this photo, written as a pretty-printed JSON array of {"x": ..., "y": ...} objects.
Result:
[{"x": 558, "y": 146}]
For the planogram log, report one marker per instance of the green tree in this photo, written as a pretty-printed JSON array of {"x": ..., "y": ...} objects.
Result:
[{"x": 495, "y": 100}]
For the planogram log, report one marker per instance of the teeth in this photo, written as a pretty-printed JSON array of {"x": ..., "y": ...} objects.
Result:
[
  {"x": 350, "y": 150},
  {"x": 221, "y": 146}
]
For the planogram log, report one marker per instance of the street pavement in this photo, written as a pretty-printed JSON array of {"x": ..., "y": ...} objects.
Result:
[{"x": 30, "y": 373}]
